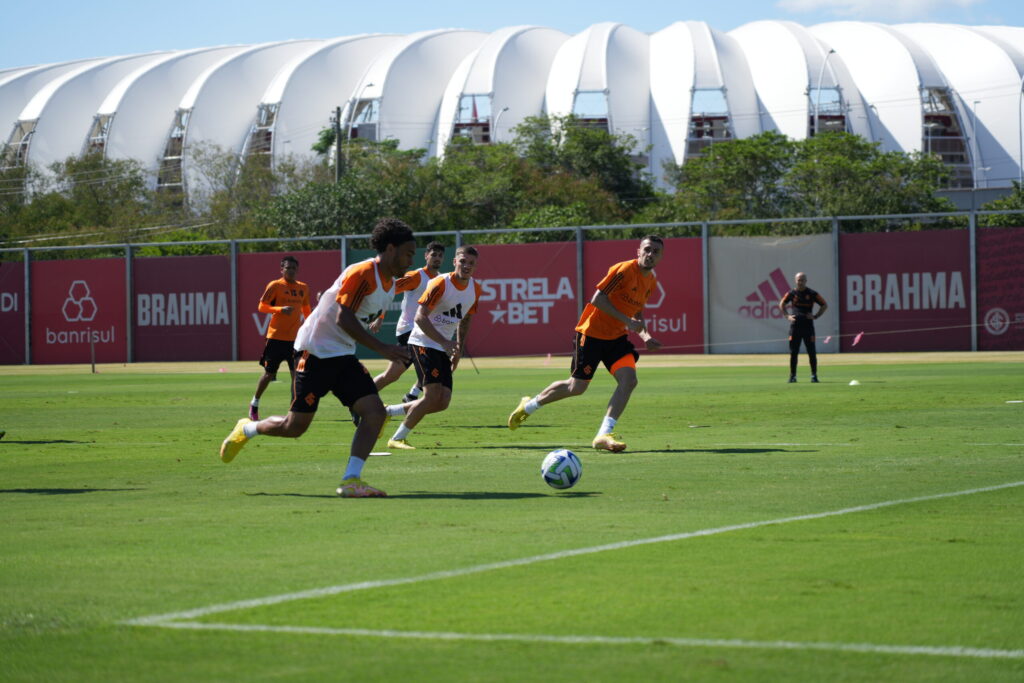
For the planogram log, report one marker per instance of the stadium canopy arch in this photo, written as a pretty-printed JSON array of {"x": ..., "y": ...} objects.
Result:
[{"x": 950, "y": 90}]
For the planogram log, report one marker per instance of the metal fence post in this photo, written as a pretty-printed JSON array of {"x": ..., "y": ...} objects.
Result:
[
  {"x": 28, "y": 305},
  {"x": 129, "y": 289},
  {"x": 706, "y": 277},
  {"x": 972, "y": 227},
  {"x": 579, "y": 273},
  {"x": 234, "y": 299},
  {"x": 836, "y": 282}
]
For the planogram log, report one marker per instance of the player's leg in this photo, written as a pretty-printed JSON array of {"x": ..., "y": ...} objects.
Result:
[
  {"x": 434, "y": 369},
  {"x": 794, "y": 353},
  {"x": 391, "y": 373},
  {"x": 812, "y": 355},
  {"x": 355, "y": 389},
  {"x": 624, "y": 372},
  {"x": 584, "y": 360}
]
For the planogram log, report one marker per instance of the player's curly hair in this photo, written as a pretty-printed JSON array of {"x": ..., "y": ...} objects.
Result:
[{"x": 390, "y": 231}]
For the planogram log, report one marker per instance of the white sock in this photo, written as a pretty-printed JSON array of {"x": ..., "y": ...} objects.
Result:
[
  {"x": 250, "y": 430},
  {"x": 401, "y": 432},
  {"x": 255, "y": 402},
  {"x": 416, "y": 390},
  {"x": 395, "y": 410},
  {"x": 355, "y": 467},
  {"x": 531, "y": 406},
  {"x": 607, "y": 426}
]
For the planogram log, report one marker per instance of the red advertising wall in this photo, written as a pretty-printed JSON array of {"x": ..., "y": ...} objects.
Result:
[
  {"x": 528, "y": 300},
  {"x": 675, "y": 312},
  {"x": 75, "y": 303},
  {"x": 182, "y": 308},
  {"x": 318, "y": 269},
  {"x": 906, "y": 291},
  {"x": 12, "y": 313},
  {"x": 1000, "y": 289}
]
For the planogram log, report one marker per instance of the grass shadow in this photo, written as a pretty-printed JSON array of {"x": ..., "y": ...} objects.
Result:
[
  {"x": 61, "y": 492},
  {"x": 37, "y": 443}
]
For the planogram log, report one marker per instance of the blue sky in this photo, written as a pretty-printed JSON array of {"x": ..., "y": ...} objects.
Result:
[{"x": 63, "y": 30}]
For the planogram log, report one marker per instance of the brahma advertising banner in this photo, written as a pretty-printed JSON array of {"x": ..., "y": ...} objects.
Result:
[
  {"x": 674, "y": 314},
  {"x": 528, "y": 299},
  {"x": 1000, "y": 289},
  {"x": 12, "y": 313},
  {"x": 317, "y": 269},
  {"x": 78, "y": 306},
  {"x": 182, "y": 308},
  {"x": 906, "y": 291},
  {"x": 747, "y": 278}
]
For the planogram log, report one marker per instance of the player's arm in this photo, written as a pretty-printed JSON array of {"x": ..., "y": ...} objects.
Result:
[
  {"x": 267, "y": 302},
  {"x": 460, "y": 340},
  {"x": 603, "y": 303},
  {"x": 822, "y": 306},
  {"x": 423, "y": 322},
  {"x": 348, "y": 322},
  {"x": 306, "y": 308},
  {"x": 784, "y": 307}
]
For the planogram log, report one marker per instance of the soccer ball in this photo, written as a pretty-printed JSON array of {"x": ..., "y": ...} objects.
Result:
[{"x": 561, "y": 469}]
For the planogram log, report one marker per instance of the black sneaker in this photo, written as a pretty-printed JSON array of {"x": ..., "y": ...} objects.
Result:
[
  {"x": 814, "y": 379},
  {"x": 409, "y": 398},
  {"x": 792, "y": 379}
]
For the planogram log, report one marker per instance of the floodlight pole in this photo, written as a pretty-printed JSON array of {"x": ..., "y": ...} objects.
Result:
[
  {"x": 817, "y": 101},
  {"x": 497, "y": 117},
  {"x": 974, "y": 143},
  {"x": 1020, "y": 133}
]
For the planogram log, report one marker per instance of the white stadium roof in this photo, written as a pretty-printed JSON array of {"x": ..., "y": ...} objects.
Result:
[{"x": 945, "y": 89}]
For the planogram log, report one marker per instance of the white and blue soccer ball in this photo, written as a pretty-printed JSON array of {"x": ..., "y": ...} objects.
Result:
[{"x": 561, "y": 469}]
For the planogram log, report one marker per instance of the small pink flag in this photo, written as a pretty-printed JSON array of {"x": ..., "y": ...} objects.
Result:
[
  {"x": 827, "y": 339},
  {"x": 857, "y": 339},
  {"x": 548, "y": 359},
  {"x": 221, "y": 370}
]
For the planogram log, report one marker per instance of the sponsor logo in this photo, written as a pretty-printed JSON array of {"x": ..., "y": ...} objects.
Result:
[
  {"x": 175, "y": 309},
  {"x": 79, "y": 306},
  {"x": 525, "y": 301},
  {"x": 763, "y": 302},
  {"x": 905, "y": 291},
  {"x": 997, "y": 321},
  {"x": 8, "y": 302}
]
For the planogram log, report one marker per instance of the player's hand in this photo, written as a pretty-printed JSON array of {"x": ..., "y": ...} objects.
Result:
[
  {"x": 455, "y": 358},
  {"x": 399, "y": 354},
  {"x": 652, "y": 344},
  {"x": 376, "y": 325},
  {"x": 287, "y": 310},
  {"x": 791, "y": 318}
]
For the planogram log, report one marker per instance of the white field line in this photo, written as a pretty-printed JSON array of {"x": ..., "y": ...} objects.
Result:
[
  {"x": 163, "y": 619},
  {"x": 780, "y": 443},
  {"x": 938, "y": 651}
]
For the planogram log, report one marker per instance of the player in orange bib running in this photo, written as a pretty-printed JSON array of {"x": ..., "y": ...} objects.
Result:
[
  {"x": 602, "y": 336},
  {"x": 284, "y": 299}
]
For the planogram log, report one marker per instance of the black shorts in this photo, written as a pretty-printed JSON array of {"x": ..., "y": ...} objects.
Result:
[
  {"x": 432, "y": 366},
  {"x": 587, "y": 352},
  {"x": 802, "y": 330},
  {"x": 403, "y": 340},
  {"x": 275, "y": 352},
  {"x": 343, "y": 376}
]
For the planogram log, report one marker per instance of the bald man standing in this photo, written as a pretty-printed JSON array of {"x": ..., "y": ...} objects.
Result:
[{"x": 798, "y": 307}]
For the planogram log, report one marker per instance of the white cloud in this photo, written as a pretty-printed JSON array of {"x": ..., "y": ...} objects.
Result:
[{"x": 897, "y": 9}]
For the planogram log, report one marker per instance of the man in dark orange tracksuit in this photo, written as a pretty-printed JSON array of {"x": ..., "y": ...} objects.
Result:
[{"x": 801, "y": 323}]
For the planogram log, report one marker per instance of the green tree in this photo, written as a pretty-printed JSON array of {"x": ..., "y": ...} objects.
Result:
[{"x": 1012, "y": 201}]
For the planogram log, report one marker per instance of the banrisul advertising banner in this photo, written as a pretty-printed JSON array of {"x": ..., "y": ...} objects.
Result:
[
  {"x": 1000, "y": 289},
  {"x": 12, "y": 312},
  {"x": 79, "y": 306},
  {"x": 318, "y": 269},
  {"x": 182, "y": 308},
  {"x": 674, "y": 314},
  {"x": 748, "y": 276},
  {"x": 906, "y": 291},
  {"x": 528, "y": 299}
]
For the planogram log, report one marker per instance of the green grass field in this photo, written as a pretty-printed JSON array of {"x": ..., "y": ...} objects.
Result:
[{"x": 754, "y": 531}]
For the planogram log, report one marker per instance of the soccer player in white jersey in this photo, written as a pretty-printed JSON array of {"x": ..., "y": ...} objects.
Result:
[
  {"x": 411, "y": 287},
  {"x": 327, "y": 343},
  {"x": 438, "y": 340}
]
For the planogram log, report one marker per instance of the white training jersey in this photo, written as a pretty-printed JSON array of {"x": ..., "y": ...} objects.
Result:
[
  {"x": 411, "y": 302},
  {"x": 448, "y": 305},
  {"x": 362, "y": 288}
]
